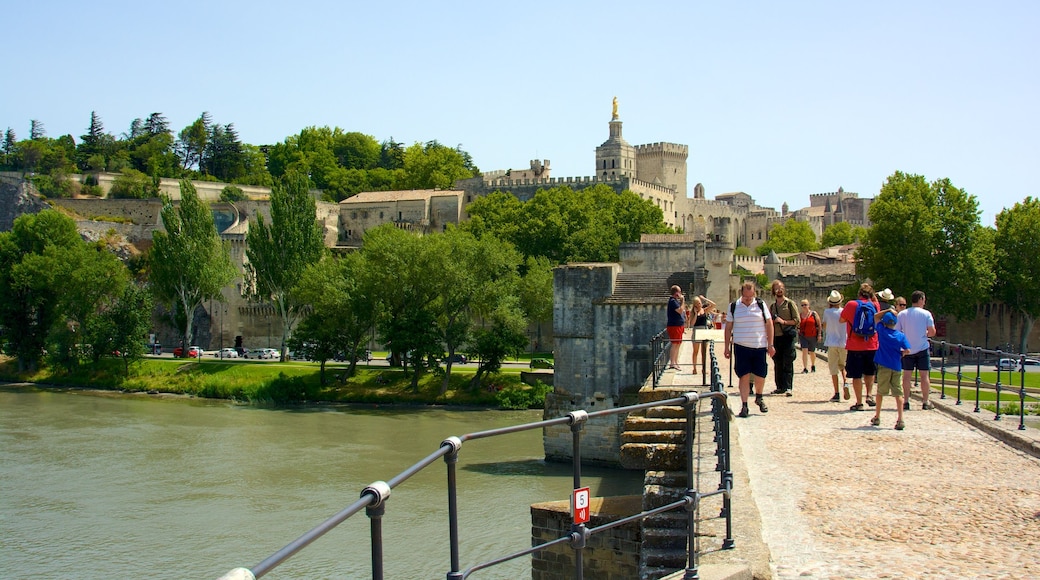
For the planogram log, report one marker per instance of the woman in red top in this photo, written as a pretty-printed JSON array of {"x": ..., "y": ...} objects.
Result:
[{"x": 808, "y": 336}]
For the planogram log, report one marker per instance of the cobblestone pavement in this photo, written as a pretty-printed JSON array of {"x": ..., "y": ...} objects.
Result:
[{"x": 840, "y": 498}]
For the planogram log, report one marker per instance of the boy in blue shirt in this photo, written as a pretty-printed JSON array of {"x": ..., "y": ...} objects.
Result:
[{"x": 892, "y": 345}]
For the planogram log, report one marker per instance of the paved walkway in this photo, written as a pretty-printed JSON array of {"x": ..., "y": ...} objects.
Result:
[{"x": 839, "y": 498}]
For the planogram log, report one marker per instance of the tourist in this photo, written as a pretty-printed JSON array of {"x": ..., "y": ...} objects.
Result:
[
  {"x": 892, "y": 347},
  {"x": 885, "y": 299},
  {"x": 861, "y": 343},
  {"x": 834, "y": 337},
  {"x": 750, "y": 333},
  {"x": 808, "y": 336},
  {"x": 918, "y": 326},
  {"x": 676, "y": 325},
  {"x": 785, "y": 330},
  {"x": 700, "y": 311}
]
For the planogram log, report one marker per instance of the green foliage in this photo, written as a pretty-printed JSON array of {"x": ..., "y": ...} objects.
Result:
[
  {"x": 842, "y": 234},
  {"x": 927, "y": 236},
  {"x": 566, "y": 226},
  {"x": 189, "y": 262},
  {"x": 523, "y": 396},
  {"x": 1017, "y": 245},
  {"x": 742, "y": 251},
  {"x": 232, "y": 193},
  {"x": 790, "y": 236},
  {"x": 278, "y": 254},
  {"x": 434, "y": 166},
  {"x": 133, "y": 184}
]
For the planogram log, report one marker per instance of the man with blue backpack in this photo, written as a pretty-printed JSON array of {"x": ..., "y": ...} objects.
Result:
[{"x": 861, "y": 315}]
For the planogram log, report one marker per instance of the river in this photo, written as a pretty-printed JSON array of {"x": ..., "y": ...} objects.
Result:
[{"x": 102, "y": 486}]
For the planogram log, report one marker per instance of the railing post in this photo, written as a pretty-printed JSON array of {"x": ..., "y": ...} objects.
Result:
[
  {"x": 978, "y": 379},
  {"x": 692, "y": 495},
  {"x": 1022, "y": 393},
  {"x": 1000, "y": 356},
  {"x": 960, "y": 369},
  {"x": 381, "y": 491},
  {"x": 451, "y": 460},
  {"x": 942, "y": 371},
  {"x": 579, "y": 533}
]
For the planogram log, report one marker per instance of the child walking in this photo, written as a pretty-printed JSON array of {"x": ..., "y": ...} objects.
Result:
[{"x": 892, "y": 345}]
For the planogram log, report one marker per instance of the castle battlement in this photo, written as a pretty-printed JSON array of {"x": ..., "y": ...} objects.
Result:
[
  {"x": 845, "y": 194},
  {"x": 662, "y": 148}
]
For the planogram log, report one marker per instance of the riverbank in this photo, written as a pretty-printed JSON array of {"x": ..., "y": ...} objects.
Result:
[{"x": 263, "y": 382}]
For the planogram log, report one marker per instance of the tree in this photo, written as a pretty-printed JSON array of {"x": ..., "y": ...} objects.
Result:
[
  {"x": 31, "y": 257},
  {"x": 278, "y": 254},
  {"x": 132, "y": 184},
  {"x": 470, "y": 275},
  {"x": 434, "y": 166},
  {"x": 790, "y": 236},
  {"x": 190, "y": 264},
  {"x": 231, "y": 193},
  {"x": 1017, "y": 242},
  {"x": 91, "y": 144},
  {"x": 535, "y": 291},
  {"x": 121, "y": 328},
  {"x": 36, "y": 130},
  {"x": 192, "y": 141},
  {"x": 926, "y": 236},
  {"x": 504, "y": 336},
  {"x": 224, "y": 155},
  {"x": 398, "y": 259},
  {"x": 344, "y": 300},
  {"x": 842, "y": 234},
  {"x": 94, "y": 279}
]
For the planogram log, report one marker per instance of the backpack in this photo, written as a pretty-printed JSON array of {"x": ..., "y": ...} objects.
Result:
[{"x": 863, "y": 320}]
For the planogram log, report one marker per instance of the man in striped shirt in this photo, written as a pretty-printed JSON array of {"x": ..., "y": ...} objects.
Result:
[{"x": 750, "y": 330}]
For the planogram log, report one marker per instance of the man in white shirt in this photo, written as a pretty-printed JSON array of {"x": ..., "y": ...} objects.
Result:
[
  {"x": 834, "y": 339},
  {"x": 749, "y": 329},
  {"x": 918, "y": 326}
]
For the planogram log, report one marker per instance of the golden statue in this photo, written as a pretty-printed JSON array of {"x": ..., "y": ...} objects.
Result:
[{"x": 613, "y": 116}]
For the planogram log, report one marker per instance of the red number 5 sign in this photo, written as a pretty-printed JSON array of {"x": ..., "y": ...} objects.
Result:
[{"x": 580, "y": 505}]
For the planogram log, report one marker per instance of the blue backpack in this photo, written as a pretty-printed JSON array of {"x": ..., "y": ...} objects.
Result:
[{"x": 863, "y": 320}]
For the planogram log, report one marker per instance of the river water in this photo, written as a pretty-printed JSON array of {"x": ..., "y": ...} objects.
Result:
[{"x": 103, "y": 486}]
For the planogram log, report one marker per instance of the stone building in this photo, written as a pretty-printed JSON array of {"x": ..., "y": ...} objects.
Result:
[{"x": 419, "y": 210}]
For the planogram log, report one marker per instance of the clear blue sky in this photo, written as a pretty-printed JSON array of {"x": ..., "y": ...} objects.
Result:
[{"x": 777, "y": 99}]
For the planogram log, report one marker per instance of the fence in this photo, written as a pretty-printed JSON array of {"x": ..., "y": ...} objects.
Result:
[
  {"x": 374, "y": 498},
  {"x": 978, "y": 357}
]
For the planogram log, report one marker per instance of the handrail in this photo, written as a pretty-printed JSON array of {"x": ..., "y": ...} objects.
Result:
[
  {"x": 374, "y": 497},
  {"x": 977, "y": 354}
]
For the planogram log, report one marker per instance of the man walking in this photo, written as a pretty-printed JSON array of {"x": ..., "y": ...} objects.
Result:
[
  {"x": 750, "y": 332},
  {"x": 918, "y": 326},
  {"x": 834, "y": 340},
  {"x": 861, "y": 315},
  {"x": 785, "y": 331}
]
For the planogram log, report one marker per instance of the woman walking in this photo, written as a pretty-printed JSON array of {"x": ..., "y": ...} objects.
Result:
[
  {"x": 808, "y": 336},
  {"x": 700, "y": 308}
]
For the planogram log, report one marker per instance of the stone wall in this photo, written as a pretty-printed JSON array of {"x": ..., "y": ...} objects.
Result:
[{"x": 610, "y": 555}]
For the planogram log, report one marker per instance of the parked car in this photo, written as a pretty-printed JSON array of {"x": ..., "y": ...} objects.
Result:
[
  {"x": 227, "y": 353},
  {"x": 264, "y": 353},
  {"x": 1007, "y": 364},
  {"x": 541, "y": 363},
  {"x": 1031, "y": 362},
  {"x": 456, "y": 358},
  {"x": 193, "y": 352}
]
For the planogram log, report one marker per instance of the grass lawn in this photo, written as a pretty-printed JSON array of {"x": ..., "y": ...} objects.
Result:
[{"x": 293, "y": 381}]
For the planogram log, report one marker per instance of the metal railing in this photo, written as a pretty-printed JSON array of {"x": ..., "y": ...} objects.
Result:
[
  {"x": 660, "y": 346},
  {"x": 374, "y": 498},
  {"x": 968, "y": 356}
]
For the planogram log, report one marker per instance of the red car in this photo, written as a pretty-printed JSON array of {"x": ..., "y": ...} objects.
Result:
[{"x": 193, "y": 352}]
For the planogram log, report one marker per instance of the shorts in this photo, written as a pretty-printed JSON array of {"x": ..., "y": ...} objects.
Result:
[
  {"x": 675, "y": 333},
  {"x": 921, "y": 361},
  {"x": 808, "y": 342},
  {"x": 836, "y": 357},
  {"x": 749, "y": 360},
  {"x": 860, "y": 364},
  {"x": 889, "y": 382}
]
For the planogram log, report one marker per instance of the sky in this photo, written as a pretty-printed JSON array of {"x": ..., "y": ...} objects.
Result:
[{"x": 776, "y": 99}]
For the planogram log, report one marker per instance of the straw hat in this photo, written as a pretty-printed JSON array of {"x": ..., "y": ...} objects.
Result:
[
  {"x": 886, "y": 295},
  {"x": 834, "y": 298}
]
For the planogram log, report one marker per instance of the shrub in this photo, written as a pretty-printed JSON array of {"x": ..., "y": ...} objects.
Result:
[{"x": 523, "y": 396}]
